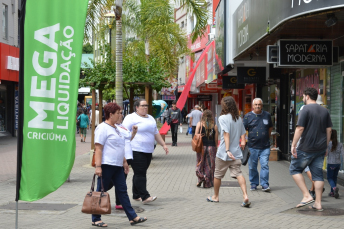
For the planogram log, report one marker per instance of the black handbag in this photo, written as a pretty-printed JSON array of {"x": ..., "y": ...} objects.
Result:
[{"x": 245, "y": 155}]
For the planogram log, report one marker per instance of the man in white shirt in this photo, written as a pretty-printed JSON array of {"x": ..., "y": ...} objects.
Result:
[{"x": 195, "y": 117}]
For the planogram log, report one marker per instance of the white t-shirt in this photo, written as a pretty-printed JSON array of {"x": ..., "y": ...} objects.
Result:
[
  {"x": 146, "y": 131},
  {"x": 113, "y": 144},
  {"x": 127, "y": 135}
]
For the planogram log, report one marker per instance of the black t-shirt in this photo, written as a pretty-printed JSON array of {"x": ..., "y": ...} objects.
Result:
[
  {"x": 315, "y": 119},
  {"x": 258, "y": 126}
]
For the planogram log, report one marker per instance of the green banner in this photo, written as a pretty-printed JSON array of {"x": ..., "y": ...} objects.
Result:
[{"x": 53, "y": 39}]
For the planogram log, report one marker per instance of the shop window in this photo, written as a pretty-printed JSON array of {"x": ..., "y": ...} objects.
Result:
[
  {"x": 5, "y": 21},
  {"x": 182, "y": 25}
]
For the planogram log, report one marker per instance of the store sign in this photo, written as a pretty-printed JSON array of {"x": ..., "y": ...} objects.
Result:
[
  {"x": 305, "y": 53},
  {"x": 231, "y": 82},
  {"x": 204, "y": 97},
  {"x": 16, "y": 109},
  {"x": 204, "y": 89},
  {"x": 211, "y": 86},
  {"x": 12, "y": 63},
  {"x": 251, "y": 75},
  {"x": 168, "y": 97}
]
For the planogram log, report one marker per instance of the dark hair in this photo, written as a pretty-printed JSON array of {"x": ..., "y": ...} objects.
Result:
[
  {"x": 229, "y": 106},
  {"x": 174, "y": 102},
  {"x": 110, "y": 108},
  {"x": 137, "y": 102},
  {"x": 85, "y": 111},
  {"x": 208, "y": 120},
  {"x": 311, "y": 92},
  {"x": 334, "y": 140}
]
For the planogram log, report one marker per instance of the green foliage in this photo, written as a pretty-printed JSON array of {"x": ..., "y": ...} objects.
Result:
[{"x": 87, "y": 48}]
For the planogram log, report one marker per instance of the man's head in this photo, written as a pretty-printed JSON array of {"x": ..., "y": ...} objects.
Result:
[
  {"x": 310, "y": 95},
  {"x": 174, "y": 103},
  {"x": 257, "y": 104},
  {"x": 197, "y": 107}
]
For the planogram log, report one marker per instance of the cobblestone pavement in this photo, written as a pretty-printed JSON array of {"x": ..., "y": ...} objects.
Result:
[{"x": 180, "y": 203}]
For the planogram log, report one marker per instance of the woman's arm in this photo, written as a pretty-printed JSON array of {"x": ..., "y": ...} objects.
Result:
[
  {"x": 198, "y": 126},
  {"x": 158, "y": 138},
  {"x": 133, "y": 133},
  {"x": 98, "y": 158},
  {"x": 216, "y": 135}
]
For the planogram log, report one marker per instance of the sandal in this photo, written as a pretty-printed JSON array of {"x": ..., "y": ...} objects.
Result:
[
  {"x": 140, "y": 220},
  {"x": 101, "y": 224},
  {"x": 246, "y": 205}
]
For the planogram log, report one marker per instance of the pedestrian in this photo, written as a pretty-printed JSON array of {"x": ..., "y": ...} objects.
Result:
[
  {"x": 96, "y": 120},
  {"x": 143, "y": 147},
  {"x": 314, "y": 128},
  {"x": 165, "y": 115},
  {"x": 175, "y": 119},
  {"x": 206, "y": 161},
  {"x": 229, "y": 154},
  {"x": 128, "y": 136},
  {"x": 335, "y": 150},
  {"x": 79, "y": 111},
  {"x": 111, "y": 164},
  {"x": 259, "y": 126},
  {"x": 84, "y": 122},
  {"x": 195, "y": 117}
]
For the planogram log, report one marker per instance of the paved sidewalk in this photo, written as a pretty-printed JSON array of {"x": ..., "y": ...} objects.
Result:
[{"x": 180, "y": 203}]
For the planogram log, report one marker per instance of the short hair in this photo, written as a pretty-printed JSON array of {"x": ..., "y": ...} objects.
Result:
[
  {"x": 311, "y": 92},
  {"x": 174, "y": 102},
  {"x": 137, "y": 102},
  {"x": 110, "y": 108},
  {"x": 85, "y": 111},
  {"x": 196, "y": 106},
  {"x": 257, "y": 99}
]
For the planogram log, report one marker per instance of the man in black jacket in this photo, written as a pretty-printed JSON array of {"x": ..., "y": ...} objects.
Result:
[{"x": 174, "y": 119}]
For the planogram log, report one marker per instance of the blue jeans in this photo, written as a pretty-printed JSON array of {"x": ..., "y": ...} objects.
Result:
[
  {"x": 114, "y": 175},
  {"x": 332, "y": 174},
  {"x": 263, "y": 156}
]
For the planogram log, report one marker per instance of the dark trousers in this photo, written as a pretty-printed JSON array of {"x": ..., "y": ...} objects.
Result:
[
  {"x": 174, "y": 132},
  {"x": 118, "y": 201},
  {"x": 140, "y": 164},
  {"x": 114, "y": 175},
  {"x": 193, "y": 131},
  {"x": 332, "y": 174}
]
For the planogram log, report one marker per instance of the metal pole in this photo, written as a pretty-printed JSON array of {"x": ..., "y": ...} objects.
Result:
[{"x": 17, "y": 214}]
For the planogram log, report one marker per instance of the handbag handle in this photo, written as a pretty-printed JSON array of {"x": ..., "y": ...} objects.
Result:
[{"x": 101, "y": 182}]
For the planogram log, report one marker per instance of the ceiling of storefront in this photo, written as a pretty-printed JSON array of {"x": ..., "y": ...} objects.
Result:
[{"x": 311, "y": 26}]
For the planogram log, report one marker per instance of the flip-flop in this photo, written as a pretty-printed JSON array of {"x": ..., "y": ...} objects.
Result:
[
  {"x": 315, "y": 209},
  {"x": 99, "y": 224},
  {"x": 301, "y": 204},
  {"x": 209, "y": 199},
  {"x": 140, "y": 220},
  {"x": 119, "y": 207},
  {"x": 246, "y": 205}
]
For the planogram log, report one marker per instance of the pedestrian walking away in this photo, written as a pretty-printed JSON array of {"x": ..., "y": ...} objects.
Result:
[
  {"x": 206, "y": 161},
  {"x": 143, "y": 147},
  {"x": 175, "y": 119},
  {"x": 111, "y": 164},
  {"x": 84, "y": 122},
  {"x": 79, "y": 111},
  {"x": 259, "y": 126},
  {"x": 195, "y": 117},
  {"x": 313, "y": 128},
  {"x": 229, "y": 154},
  {"x": 335, "y": 150}
]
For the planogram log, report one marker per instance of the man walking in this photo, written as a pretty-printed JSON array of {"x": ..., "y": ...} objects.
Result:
[
  {"x": 195, "y": 117},
  {"x": 259, "y": 126},
  {"x": 313, "y": 129},
  {"x": 175, "y": 118}
]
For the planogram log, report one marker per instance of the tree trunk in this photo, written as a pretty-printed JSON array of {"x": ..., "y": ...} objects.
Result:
[{"x": 119, "y": 63}]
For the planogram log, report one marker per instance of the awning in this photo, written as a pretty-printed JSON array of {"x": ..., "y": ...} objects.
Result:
[{"x": 84, "y": 90}]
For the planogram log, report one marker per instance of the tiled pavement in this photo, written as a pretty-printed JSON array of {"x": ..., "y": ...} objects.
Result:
[{"x": 180, "y": 203}]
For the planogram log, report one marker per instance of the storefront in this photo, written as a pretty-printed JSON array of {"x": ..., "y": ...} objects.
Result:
[{"x": 9, "y": 77}]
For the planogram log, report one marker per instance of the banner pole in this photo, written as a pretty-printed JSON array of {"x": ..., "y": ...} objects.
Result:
[{"x": 17, "y": 214}]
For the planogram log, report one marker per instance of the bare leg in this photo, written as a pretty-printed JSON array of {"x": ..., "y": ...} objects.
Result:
[
  {"x": 300, "y": 181},
  {"x": 217, "y": 184},
  {"x": 310, "y": 178},
  {"x": 319, "y": 185},
  {"x": 242, "y": 183}
]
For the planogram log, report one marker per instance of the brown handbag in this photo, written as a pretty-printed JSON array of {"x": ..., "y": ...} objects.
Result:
[
  {"x": 197, "y": 143},
  {"x": 97, "y": 203}
]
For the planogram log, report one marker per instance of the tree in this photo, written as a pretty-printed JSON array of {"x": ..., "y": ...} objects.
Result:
[{"x": 87, "y": 48}]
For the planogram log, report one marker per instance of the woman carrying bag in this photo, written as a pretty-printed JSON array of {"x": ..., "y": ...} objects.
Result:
[{"x": 111, "y": 163}]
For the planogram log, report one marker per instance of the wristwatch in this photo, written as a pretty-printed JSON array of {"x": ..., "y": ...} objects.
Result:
[{"x": 228, "y": 151}]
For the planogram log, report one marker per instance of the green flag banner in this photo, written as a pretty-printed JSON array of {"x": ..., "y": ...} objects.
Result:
[{"x": 53, "y": 38}]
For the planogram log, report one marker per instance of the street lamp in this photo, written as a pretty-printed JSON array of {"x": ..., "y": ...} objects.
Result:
[{"x": 109, "y": 19}]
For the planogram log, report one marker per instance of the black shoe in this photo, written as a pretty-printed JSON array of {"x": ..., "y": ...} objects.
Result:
[
  {"x": 175, "y": 144},
  {"x": 172, "y": 143}
]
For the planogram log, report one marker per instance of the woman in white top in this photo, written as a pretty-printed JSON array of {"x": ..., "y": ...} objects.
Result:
[
  {"x": 143, "y": 147},
  {"x": 111, "y": 163}
]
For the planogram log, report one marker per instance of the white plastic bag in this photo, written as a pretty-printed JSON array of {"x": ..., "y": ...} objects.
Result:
[{"x": 181, "y": 129}]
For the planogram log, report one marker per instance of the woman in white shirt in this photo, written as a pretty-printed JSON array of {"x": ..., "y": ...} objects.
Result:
[
  {"x": 111, "y": 163},
  {"x": 142, "y": 146}
]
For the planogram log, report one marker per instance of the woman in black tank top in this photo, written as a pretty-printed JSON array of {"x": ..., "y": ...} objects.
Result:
[{"x": 206, "y": 160}]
